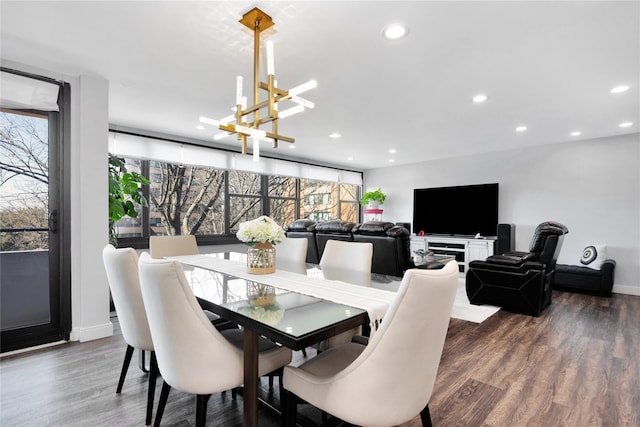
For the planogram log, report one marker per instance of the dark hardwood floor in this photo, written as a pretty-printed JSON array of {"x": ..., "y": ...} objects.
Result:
[{"x": 576, "y": 365}]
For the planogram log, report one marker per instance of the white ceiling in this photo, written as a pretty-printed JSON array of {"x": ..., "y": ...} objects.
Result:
[{"x": 547, "y": 65}]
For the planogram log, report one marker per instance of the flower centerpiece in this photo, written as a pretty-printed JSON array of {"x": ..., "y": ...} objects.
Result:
[{"x": 260, "y": 235}]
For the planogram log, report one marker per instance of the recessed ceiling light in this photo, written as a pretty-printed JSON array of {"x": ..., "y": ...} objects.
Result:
[
  {"x": 349, "y": 158},
  {"x": 392, "y": 151},
  {"x": 395, "y": 31},
  {"x": 292, "y": 146},
  {"x": 479, "y": 98},
  {"x": 200, "y": 127},
  {"x": 576, "y": 133},
  {"x": 391, "y": 160},
  {"x": 620, "y": 89},
  {"x": 625, "y": 124},
  {"x": 335, "y": 135},
  {"x": 521, "y": 128}
]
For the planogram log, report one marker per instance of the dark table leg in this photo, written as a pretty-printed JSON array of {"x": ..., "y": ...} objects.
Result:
[{"x": 250, "y": 396}]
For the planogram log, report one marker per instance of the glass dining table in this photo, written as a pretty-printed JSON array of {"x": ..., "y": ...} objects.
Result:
[{"x": 290, "y": 318}]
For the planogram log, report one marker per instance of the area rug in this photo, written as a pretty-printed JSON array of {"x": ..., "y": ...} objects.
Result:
[{"x": 464, "y": 310}]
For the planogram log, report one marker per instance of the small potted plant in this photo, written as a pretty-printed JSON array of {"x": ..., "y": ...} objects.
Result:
[{"x": 373, "y": 199}]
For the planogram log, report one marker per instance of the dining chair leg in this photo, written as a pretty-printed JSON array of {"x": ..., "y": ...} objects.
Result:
[
  {"x": 277, "y": 373},
  {"x": 142, "y": 364},
  {"x": 281, "y": 390},
  {"x": 153, "y": 375},
  {"x": 425, "y": 416},
  {"x": 201, "y": 409},
  {"x": 290, "y": 409},
  {"x": 164, "y": 395},
  {"x": 125, "y": 367}
]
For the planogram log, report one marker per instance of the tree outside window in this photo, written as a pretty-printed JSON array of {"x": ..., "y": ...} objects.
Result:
[
  {"x": 187, "y": 200},
  {"x": 24, "y": 180}
]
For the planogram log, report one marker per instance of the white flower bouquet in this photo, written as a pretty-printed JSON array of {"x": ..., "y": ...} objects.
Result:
[{"x": 260, "y": 230}]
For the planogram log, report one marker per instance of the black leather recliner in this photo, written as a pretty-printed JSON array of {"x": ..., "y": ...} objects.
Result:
[
  {"x": 519, "y": 281},
  {"x": 391, "y": 253}
]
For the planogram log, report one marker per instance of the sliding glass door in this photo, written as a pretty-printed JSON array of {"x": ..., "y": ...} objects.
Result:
[{"x": 35, "y": 302}]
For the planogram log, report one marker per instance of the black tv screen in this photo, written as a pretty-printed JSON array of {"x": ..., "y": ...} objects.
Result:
[{"x": 461, "y": 210}]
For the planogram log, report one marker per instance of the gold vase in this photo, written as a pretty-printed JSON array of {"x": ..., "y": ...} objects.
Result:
[{"x": 261, "y": 259}]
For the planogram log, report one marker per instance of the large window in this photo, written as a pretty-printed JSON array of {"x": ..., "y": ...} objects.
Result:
[
  {"x": 185, "y": 199},
  {"x": 349, "y": 202},
  {"x": 282, "y": 199},
  {"x": 244, "y": 198},
  {"x": 212, "y": 203}
]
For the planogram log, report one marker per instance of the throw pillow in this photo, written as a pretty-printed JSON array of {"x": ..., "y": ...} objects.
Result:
[{"x": 593, "y": 256}]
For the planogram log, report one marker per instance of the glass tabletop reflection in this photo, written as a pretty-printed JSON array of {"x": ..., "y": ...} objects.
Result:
[{"x": 292, "y": 314}]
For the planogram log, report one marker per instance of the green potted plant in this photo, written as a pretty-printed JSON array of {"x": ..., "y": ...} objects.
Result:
[
  {"x": 373, "y": 199},
  {"x": 124, "y": 194}
]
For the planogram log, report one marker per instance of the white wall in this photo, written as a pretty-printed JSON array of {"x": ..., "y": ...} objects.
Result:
[
  {"x": 593, "y": 187},
  {"x": 89, "y": 207}
]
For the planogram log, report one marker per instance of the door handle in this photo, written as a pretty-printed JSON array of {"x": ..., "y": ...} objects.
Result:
[{"x": 53, "y": 221}]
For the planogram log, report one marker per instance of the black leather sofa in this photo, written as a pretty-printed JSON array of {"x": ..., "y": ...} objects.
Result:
[
  {"x": 334, "y": 229},
  {"x": 575, "y": 278},
  {"x": 391, "y": 253},
  {"x": 519, "y": 281}
]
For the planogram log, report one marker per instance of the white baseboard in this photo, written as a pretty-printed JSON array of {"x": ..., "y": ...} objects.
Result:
[
  {"x": 627, "y": 290},
  {"x": 92, "y": 332}
]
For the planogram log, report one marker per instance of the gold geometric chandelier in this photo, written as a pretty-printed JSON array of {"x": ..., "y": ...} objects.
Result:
[{"x": 248, "y": 119}]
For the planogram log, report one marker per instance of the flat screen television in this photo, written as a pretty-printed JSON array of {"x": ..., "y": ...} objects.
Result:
[{"x": 461, "y": 210}]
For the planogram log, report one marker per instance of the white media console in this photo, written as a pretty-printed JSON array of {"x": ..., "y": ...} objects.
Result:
[{"x": 465, "y": 249}]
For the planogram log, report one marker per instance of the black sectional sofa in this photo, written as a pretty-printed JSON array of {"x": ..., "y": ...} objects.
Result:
[{"x": 391, "y": 253}]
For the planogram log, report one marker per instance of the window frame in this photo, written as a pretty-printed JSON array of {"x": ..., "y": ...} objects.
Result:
[{"x": 142, "y": 242}]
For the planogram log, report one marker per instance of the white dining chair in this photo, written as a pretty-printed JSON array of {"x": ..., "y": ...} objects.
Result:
[
  {"x": 348, "y": 262},
  {"x": 121, "y": 266},
  {"x": 390, "y": 380},
  {"x": 291, "y": 255},
  {"x": 166, "y": 246},
  {"x": 163, "y": 246},
  {"x": 192, "y": 355}
]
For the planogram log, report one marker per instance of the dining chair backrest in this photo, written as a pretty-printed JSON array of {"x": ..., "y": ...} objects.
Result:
[
  {"x": 162, "y": 246},
  {"x": 392, "y": 379},
  {"x": 291, "y": 255},
  {"x": 121, "y": 266},
  {"x": 192, "y": 355},
  {"x": 347, "y": 261},
  {"x": 407, "y": 348}
]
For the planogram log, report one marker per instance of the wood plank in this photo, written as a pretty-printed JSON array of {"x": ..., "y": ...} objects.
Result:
[{"x": 575, "y": 365}]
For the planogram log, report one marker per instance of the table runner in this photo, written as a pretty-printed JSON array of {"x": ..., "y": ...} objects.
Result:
[{"x": 374, "y": 301}]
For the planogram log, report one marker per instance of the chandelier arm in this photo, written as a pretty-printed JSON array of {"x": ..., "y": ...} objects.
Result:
[{"x": 256, "y": 71}]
